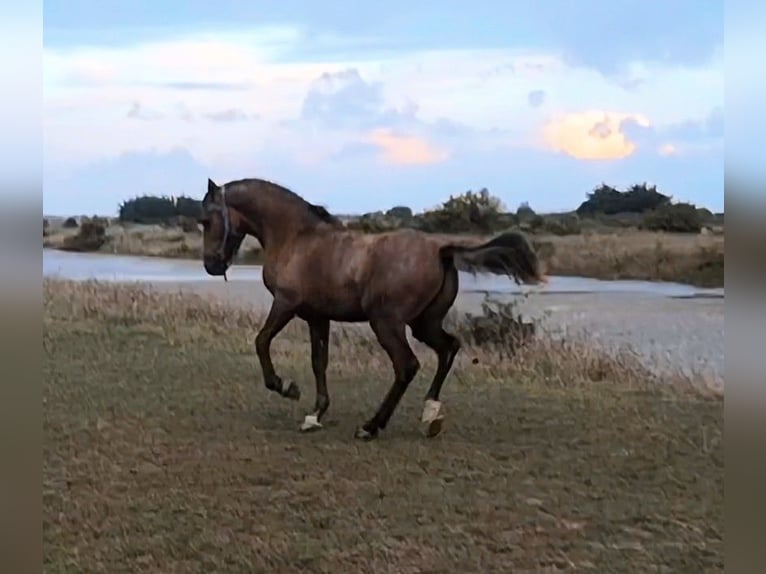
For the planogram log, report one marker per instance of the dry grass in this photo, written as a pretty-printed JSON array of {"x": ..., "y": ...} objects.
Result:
[
  {"x": 693, "y": 259},
  {"x": 164, "y": 453}
]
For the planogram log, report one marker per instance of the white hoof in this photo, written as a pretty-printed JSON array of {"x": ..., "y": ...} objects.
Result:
[
  {"x": 433, "y": 417},
  {"x": 311, "y": 422}
]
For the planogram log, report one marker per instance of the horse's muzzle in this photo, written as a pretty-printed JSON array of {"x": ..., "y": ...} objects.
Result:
[{"x": 215, "y": 266}]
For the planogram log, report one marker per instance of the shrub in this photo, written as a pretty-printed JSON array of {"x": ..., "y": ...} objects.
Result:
[
  {"x": 610, "y": 201},
  {"x": 188, "y": 224},
  {"x": 499, "y": 326},
  {"x": 525, "y": 213},
  {"x": 400, "y": 212},
  {"x": 679, "y": 217},
  {"x": 568, "y": 224},
  {"x": 376, "y": 222},
  {"x": 70, "y": 223},
  {"x": 477, "y": 212},
  {"x": 152, "y": 209},
  {"x": 90, "y": 237}
]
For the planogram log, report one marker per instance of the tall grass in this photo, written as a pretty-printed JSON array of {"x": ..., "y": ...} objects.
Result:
[{"x": 496, "y": 344}]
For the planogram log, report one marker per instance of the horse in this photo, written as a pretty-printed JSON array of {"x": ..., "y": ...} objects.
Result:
[{"x": 319, "y": 271}]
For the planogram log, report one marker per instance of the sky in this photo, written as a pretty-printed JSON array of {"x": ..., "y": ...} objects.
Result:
[{"x": 363, "y": 107}]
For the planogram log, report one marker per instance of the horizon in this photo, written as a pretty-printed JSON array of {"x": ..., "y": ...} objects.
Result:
[{"x": 358, "y": 108}]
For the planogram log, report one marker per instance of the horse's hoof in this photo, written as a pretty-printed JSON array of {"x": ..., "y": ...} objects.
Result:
[
  {"x": 434, "y": 428},
  {"x": 364, "y": 434},
  {"x": 292, "y": 392},
  {"x": 310, "y": 423},
  {"x": 433, "y": 417}
]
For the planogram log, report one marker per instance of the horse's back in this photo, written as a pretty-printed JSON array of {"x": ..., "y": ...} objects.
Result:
[{"x": 396, "y": 272}]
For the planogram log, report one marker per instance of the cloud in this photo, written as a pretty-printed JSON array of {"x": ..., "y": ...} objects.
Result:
[
  {"x": 536, "y": 98},
  {"x": 405, "y": 150},
  {"x": 667, "y": 150},
  {"x": 448, "y": 110},
  {"x": 196, "y": 86},
  {"x": 610, "y": 37},
  {"x": 592, "y": 135},
  {"x": 100, "y": 186},
  {"x": 698, "y": 136},
  {"x": 139, "y": 112},
  {"x": 228, "y": 116},
  {"x": 344, "y": 100}
]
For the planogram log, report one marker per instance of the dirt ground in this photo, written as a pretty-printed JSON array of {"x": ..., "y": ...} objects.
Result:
[{"x": 164, "y": 453}]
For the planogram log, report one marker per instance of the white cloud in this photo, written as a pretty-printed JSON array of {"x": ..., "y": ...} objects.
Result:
[{"x": 176, "y": 84}]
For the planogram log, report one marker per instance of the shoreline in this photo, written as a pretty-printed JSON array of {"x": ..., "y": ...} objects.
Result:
[
  {"x": 690, "y": 259},
  {"x": 256, "y": 262}
]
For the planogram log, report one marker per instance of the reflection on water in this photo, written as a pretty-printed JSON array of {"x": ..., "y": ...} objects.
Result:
[{"x": 82, "y": 266}]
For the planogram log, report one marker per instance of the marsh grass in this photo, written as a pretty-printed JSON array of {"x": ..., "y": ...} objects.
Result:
[
  {"x": 164, "y": 453},
  {"x": 684, "y": 258}
]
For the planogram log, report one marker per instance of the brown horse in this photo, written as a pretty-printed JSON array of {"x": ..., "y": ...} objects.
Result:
[{"x": 319, "y": 271}]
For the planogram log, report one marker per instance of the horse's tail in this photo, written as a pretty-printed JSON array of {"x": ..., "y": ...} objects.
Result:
[{"x": 507, "y": 254}]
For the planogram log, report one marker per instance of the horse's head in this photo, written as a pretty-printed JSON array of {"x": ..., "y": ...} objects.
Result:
[{"x": 222, "y": 234}]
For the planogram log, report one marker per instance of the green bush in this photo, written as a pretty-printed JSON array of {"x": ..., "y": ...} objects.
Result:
[
  {"x": 376, "y": 222},
  {"x": 400, "y": 212},
  {"x": 148, "y": 209},
  {"x": 91, "y": 236},
  {"x": 678, "y": 217},
  {"x": 499, "y": 326},
  {"x": 524, "y": 213},
  {"x": 610, "y": 201},
  {"x": 69, "y": 223},
  {"x": 471, "y": 212}
]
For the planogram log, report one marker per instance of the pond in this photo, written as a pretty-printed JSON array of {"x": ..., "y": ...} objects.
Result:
[{"x": 127, "y": 268}]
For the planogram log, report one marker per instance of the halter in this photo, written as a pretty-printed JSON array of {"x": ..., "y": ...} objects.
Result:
[{"x": 226, "y": 227}]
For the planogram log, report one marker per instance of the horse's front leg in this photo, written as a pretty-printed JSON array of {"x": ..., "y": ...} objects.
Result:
[
  {"x": 279, "y": 316},
  {"x": 319, "y": 330}
]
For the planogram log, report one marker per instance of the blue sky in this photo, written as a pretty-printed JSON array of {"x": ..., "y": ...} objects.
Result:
[{"x": 364, "y": 107}]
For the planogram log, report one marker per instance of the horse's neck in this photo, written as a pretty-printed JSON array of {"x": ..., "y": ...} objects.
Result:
[{"x": 274, "y": 227}]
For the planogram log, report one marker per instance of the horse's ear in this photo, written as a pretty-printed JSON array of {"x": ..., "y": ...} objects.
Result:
[{"x": 211, "y": 186}]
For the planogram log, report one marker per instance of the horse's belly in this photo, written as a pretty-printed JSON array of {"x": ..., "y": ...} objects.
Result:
[{"x": 336, "y": 309}]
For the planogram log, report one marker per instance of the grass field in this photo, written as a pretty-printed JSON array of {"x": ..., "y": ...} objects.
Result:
[
  {"x": 609, "y": 254},
  {"x": 164, "y": 453}
]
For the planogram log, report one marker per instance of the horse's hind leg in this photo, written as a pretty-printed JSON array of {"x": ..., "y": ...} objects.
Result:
[
  {"x": 446, "y": 346},
  {"x": 319, "y": 331},
  {"x": 427, "y": 328},
  {"x": 392, "y": 337}
]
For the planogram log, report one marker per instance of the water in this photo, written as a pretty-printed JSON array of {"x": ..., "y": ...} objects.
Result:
[{"x": 83, "y": 266}]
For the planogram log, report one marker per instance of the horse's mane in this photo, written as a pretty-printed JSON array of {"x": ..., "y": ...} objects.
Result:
[{"x": 316, "y": 210}]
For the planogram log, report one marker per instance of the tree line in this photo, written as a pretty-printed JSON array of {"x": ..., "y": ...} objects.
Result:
[{"x": 640, "y": 205}]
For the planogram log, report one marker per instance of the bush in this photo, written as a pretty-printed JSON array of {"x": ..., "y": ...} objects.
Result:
[
  {"x": 376, "y": 222},
  {"x": 148, "y": 209},
  {"x": 70, "y": 223},
  {"x": 679, "y": 218},
  {"x": 470, "y": 212},
  {"x": 610, "y": 201},
  {"x": 90, "y": 237},
  {"x": 188, "y": 224},
  {"x": 499, "y": 326},
  {"x": 401, "y": 212},
  {"x": 524, "y": 213}
]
